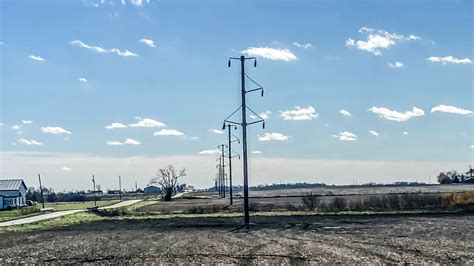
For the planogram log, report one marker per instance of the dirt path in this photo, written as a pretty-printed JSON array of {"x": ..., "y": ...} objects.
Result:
[
  {"x": 121, "y": 204},
  {"x": 445, "y": 239}
]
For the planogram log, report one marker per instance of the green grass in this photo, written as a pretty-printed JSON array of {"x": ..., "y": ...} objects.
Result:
[
  {"x": 62, "y": 206},
  {"x": 67, "y": 220},
  {"x": 18, "y": 213}
]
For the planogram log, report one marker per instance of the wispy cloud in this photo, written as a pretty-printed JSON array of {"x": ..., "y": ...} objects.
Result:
[
  {"x": 29, "y": 142},
  {"x": 305, "y": 46},
  {"x": 168, "y": 132},
  {"x": 256, "y": 152},
  {"x": 346, "y": 136},
  {"x": 83, "y": 80},
  {"x": 449, "y": 59},
  {"x": 101, "y": 50},
  {"x": 345, "y": 113},
  {"x": 271, "y": 53},
  {"x": 36, "y": 58},
  {"x": 26, "y": 121},
  {"x": 55, "y": 130},
  {"x": 115, "y": 125},
  {"x": 265, "y": 115},
  {"x": 147, "y": 42},
  {"x": 128, "y": 141},
  {"x": 147, "y": 122},
  {"x": 395, "y": 64},
  {"x": 373, "y": 133},
  {"x": 209, "y": 152},
  {"x": 405, "y": 133},
  {"x": 216, "y": 131},
  {"x": 64, "y": 168},
  {"x": 273, "y": 137},
  {"x": 451, "y": 109},
  {"x": 395, "y": 115},
  {"x": 377, "y": 40},
  {"x": 15, "y": 127},
  {"x": 299, "y": 113}
]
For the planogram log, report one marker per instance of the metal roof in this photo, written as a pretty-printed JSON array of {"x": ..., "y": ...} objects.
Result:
[{"x": 12, "y": 184}]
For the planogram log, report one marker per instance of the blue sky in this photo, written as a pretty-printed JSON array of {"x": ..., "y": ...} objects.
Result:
[{"x": 401, "y": 70}]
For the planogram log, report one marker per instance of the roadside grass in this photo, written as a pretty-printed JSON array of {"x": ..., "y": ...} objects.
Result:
[
  {"x": 68, "y": 220},
  {"x": 63, "y": 206},
  {"x": 18, "y": 213}
]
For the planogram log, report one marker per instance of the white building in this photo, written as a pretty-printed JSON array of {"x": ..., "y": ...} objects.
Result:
[{"x": 12, "y": 193}]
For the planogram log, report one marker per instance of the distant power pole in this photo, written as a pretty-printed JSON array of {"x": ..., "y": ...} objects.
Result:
[
  {"x": 229, "y": 128},
  {"x": 41, "y": 191},
  {"x": 244, "y": 125},
  {"x": 120, "y": 187},
  {"x": 222, "y": 159},
  {"x": 93, "y": 191}
]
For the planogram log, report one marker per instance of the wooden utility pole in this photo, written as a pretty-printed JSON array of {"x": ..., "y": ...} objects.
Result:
[
  {"x": 120, "y": 187},
  {"x": 41, "y": 191},
  {"x": 93, "y": 191}
]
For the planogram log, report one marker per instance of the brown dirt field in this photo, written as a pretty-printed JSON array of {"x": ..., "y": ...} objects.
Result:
[{"x": 416, "y": 239}]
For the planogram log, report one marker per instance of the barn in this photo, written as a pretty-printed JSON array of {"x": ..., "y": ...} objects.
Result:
[{"x": 12, "y": 193}]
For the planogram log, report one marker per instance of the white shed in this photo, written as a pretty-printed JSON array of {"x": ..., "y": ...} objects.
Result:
[{"x": 12, "y": 193}]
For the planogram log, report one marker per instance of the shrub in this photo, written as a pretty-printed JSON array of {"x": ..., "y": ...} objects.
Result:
[
  {"x": 112, "y": 212},
  {"x": 311, "y": 201},
  {"x": 28, "y": 210}
]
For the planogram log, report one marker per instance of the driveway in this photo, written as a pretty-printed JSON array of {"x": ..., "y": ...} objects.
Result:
[{"x": 52, "y": 215}]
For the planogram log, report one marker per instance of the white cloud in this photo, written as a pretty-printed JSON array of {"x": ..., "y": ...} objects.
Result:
[
  {"x": 305, "y": 46},
  {"x": 29, "y": 142},
  {"x": 137, "y": 2},
  {"x": 147, "y": 122},
  {"x": 397, "y": 116},
  {"x": 405, "y": 133},
  {"x": 377, "y": 40},
  {"x": 299, "y": 113},
  {"x": 256, "y": 152},
  {"x": 26, "y": 121},
  {"x": 55, "y": 130},
  {"x": 147, "y": 42},
  {"x": 1, "y": 124},
  {"x": 472, "y": 146},
  {"x": 128, "y": 141},
  {"x": 448, "y": 59},
  {"x": 451, "y": 109},
  {"x": 210, "y": 152},
  {"x": 346, "y": 136},
  {"x": 36, "y": 58},
  {"x": 216, "y": 131},
  {"x": 168, "y": 132},
  {"x": 373, "y": 133},
  {"x": 270, "y": 53},
  {"x": 115, "y": 125},
  {"x": 64, "y": 168},
  {"x": 396, "y": 64},
  {"x": 345, "y": 113},
  {"x": 273, "y": 136},
  {"x": 83, "y": 80},
  {"x": 101, "y": 50},
  {"x": 15, "y": 127},
  {"x": 265, "y": 115}
]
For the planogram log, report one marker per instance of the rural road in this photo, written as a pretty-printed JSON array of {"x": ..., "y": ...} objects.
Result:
[{"x": 52, "y": 215}]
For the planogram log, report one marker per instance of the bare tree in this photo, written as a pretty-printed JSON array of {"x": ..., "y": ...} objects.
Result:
[{"x": 167, "y": 178}]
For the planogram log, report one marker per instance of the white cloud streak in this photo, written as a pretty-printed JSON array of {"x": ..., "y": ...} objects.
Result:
[
  {"x": 168, "y": 132},
  {"x": 395, "y": 115},
  {"x": 448, "y": 59},
  {"x": 273, "y": 137},
  {"x": 83, "y": 80},
  {"x": 304, "y": 46},
  {"x": 270, "y": 53},
  {"x": 216, "y": 131},
  {"x": 451, "y": 109},
  {"x": 345, "y": 113},
  {"x": 346, "y": 136},
  {"x": 209, "y": 152},
  {"x": 55, "y": 130},
  {"x": 147, "y": 42},
  {"x": 396, "y": 64},
  {"x": 101, "y": 50},
  {"x": 147, "y": 122},
  {"x": 373, "y": 133},
  {"x": 36, "y": 58},
  {"x": 26, "y": 121},
  {"x": 308, "y": 113},
  {"x": 29, "y": 142},
  {"x": 115, "y": 125},
  {"x": 128, "y": 141},
  {"x": 377, "y": 40}
]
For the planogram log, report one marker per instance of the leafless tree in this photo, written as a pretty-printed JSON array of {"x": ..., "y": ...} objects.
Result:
[{"x": 168, "y": 178}]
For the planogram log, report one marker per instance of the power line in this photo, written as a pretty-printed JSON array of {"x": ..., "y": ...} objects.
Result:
[{"x": 244, "y": 125}]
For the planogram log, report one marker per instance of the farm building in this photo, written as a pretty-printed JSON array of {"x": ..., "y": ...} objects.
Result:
[
  {"x": 152, "y": 190},
  {"x": 12, "y": 193}
]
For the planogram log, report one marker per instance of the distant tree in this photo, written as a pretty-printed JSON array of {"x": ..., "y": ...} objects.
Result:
[
  {"x": 167, "y": 178},
  {"x": 52, "y": 197},
  {"x": 443, "y": 178}
]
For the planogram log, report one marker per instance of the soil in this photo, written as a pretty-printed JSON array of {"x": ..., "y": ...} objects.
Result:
[{"x": 414, "y": 239}]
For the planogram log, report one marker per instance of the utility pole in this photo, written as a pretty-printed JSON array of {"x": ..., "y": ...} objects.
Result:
[
  {"x": 244, "y": 125},
  {"x": 223, "y": 183},
  {"x": 41, "y": 191},
  {"x": 93, "y": 183},
  {"x": 120, "y": 187},
  {"x": 229, "y": 128}
]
